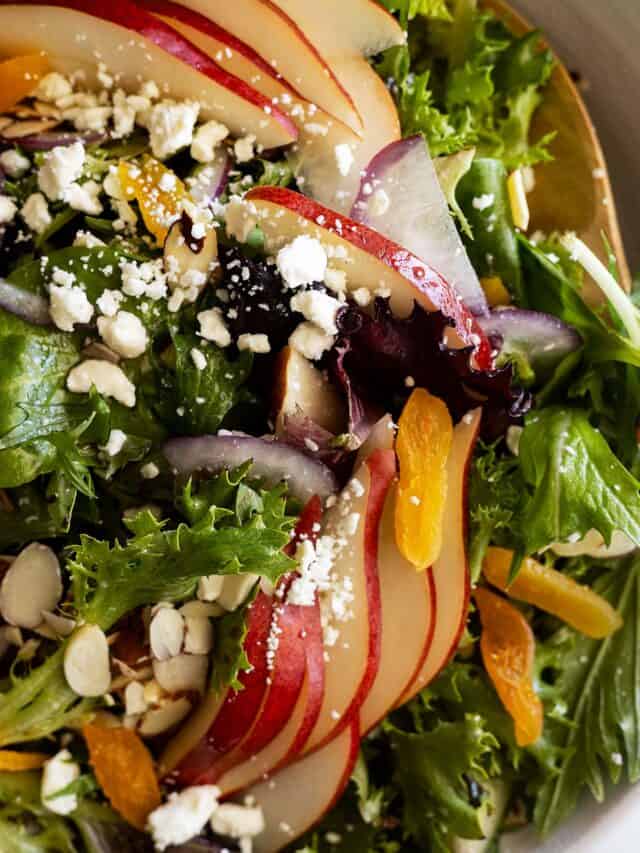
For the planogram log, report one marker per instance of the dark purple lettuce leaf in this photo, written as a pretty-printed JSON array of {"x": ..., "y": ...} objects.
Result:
[
  {"x": 378, "y": 358},
  {"x": 304, "y": 434}
]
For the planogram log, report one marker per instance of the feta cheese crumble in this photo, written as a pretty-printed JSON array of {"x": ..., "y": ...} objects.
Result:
[
  {"x": 344, "y": 158},
  {"x": 35, "y": 213},
  {"x": 258, "y": 344},
  {"x": 171, "y": 127},
  {"x": 213, "y": 327},
  {"x": 183, "y": 816},
  {"x": 124, "y": 333},
  {"x": 310, "y": 341},
  {"x": 8, "y": 210},
  {"x": 303, "y": 261},
  {"x": 58, "y": 773},
  {"x": 318, "y": 308},
  {"x": 68, "y": 306},
  {"x": 108, "y": 379},
  {"x": 206, "y": 139},
  {"x": 61, "y": 168},
  {"x": 13, "y": 163}
]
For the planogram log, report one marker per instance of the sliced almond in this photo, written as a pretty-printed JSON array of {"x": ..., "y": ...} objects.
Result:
[
  {"x": 198, "y": 635},
  {"x": 32, "y": 584},
  {"x": 160, "y": 720},
  {"x": 86, "y": 662},
  {"x": 236, "y": 589},
  {"x": 210, "y": 587},
  {"x": 47, "y": 110},
  {"x": 5, "y": 121},
  {"x": 30, "y": 127},
  {"x": 12, "y": 636},
  {"x": 201, "y": 610},
  {"x": 134, "y": 700},
  {"x": 101, "y": 351},
  {"x": 28, "y": 650},
  {"x": 183, "y": 672},
  {"x": 184, "y": 253},
  {"x": 166, "y": 633},
  {"x": 62, "y": 626},
  {"x": 153, "y": 693}
]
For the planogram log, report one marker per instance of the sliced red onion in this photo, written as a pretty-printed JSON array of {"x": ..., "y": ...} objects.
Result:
[
  {"x": 400, "y": 196},
  {"x": 209, "y": 181},
  {"x": 56, "y": 138},
  {"x": 543, "y": 339},
  {"x": 273, "y": 461},
  {"x": 28, "y": 306}
]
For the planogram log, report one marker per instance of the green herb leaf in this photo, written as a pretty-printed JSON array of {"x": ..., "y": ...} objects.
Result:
[
  {"x": 229, "y": 657},
  {"x": 578, "y": 483},
  {"x": 593, "y": 691}
]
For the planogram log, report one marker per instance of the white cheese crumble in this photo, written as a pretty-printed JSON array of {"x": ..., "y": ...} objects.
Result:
[
  {"x": 68, "y": 306},
  {"x": 124, "y": 333},
  {"x": 318, "y": 308},
  {"x": 236, "y": 821},
  {"x": 335, "y": 280},
  {"x": 344, "y": 158},
  {"x": 241, "y": 217},
  {"x": 52, "y": 87},
  {"x": 310, "y": 341},
  {"x": 362, "y": 296},
  {"x": 171, "y": 126},
  {"x": 85, "y": 197},
  {"x": 35, "y": 213},
  {"x": 483, "y": 202},
  {"x": 198, "y": 358},
  {"x": 8, "y": 210},
  {"x": 108, "y": 302},
  {"x": 61, "y": 168},
  {"x": 108, "y": 379},
  {"x": 87, "y": 240},
  {"x": 183, "y": 815},
  {"x": 13, "y": 163},
  {"x": 303, "y": 261},
  {"x": 59, "y": 772},
  {"x": 213, "y": 327},
  {"x": 243, "y": 148},
  {"x": 115, "y": 442},
  {"x": 258, "y": 344},
  {"x": 149, "y": 471},
  {"x": 206, "y": 139}
]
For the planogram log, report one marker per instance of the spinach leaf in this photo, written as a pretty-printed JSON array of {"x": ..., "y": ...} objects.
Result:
[{"x": 577, "y": 482}]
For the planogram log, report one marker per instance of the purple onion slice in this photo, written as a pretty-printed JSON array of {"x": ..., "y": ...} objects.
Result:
[
  {"x": 273, "y": 462},
  {"x": 47, "y": 140},
  {"x": 400, "y": 196},
  {"x": 28, "y": 306},
  {"x": 209, "y": 181},
  {"x": 544, "y": 340}
]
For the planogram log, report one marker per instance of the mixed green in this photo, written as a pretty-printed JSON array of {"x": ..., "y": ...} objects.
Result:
[{"x": 129, "y": 533}]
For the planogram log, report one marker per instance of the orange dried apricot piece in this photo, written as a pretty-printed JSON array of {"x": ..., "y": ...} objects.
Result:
[
  {"x": 19, "y": 77},
  {"x": 508, "y": 649},
  {"x": 158, "y": 191},
  {"x": 425, "y": 431},
  {"x": 124, "y": 768},
  {"x": 18, "y": 761},
  {"x": 553, "y": 592}
]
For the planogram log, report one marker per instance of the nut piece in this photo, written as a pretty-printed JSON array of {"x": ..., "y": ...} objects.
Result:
[
  {"x": 59, "y": 772},
  {"x": 236, "y": 589},
  {"x": 31, "y": 584},
  {"x": 160, "y": 720},
  {"x": 198, "y": 636},
  {"x": 166, "y": 633},
  {"x": 201, "y": 610},
  {"x": 210, "y": 587},
  {"x": 183, "y": 672},
  {"x": 134, "y": 700},
  {"x": 86, "y": 662}
]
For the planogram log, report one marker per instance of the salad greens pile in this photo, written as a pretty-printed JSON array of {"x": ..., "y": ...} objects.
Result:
[{"x": 129, "y": 533}]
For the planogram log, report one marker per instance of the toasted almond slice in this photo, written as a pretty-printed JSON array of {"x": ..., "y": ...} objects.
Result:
[
  {"x": 166, "y": 633},
  {"x": 198, "y": 635},
  {"x": 134, "y": 700},
  {"x": 182, "y": 672},
  {"x": 190, "y": 249},
  {"x": 201, "y": 610},
  {"x": 86, "y": 662},
  {"x": 32, "y": 584},
  {"x": 5, "y": 121},
  {"x": 46, "y": 110},
  {"x": 160, "y": 720},
  {"x": 62, "y": 626},
  {"x": 30, "y": 127}
]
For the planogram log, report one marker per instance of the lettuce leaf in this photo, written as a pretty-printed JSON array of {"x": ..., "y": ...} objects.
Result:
[
  {"x": 464, "y": 80},
  {"x": 592, "y": 687},
  {"x": 577, "y": 483}
]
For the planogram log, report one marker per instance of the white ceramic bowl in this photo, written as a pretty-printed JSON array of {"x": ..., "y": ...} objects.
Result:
[{"x": 600, "y": 41}]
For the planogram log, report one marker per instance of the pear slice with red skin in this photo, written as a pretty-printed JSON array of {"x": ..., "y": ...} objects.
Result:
[
  {"x": 135, "y": 45},
  {"x": 368, "y": 259},
  {"x": 352, "y": 662},
  {"x": 451, "y": 570},
  {"x": 270, "y": 33},
  {"x": 298, "y": 796}
]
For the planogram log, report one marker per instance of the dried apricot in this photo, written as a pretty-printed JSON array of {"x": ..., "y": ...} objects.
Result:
[
  {"x": 158, "y": 191},
  {"x": 425, "y": 431},
  {"x": 19, "y": 77},
  {"x": 18, "y": 761},
  {"x": 124, "y": 768},
  {"x": 508, "y": 650},
  {"x": 553, "y": 592}
]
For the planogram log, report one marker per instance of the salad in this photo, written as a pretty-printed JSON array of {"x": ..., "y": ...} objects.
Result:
[{"x": 319, "y": 497}]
